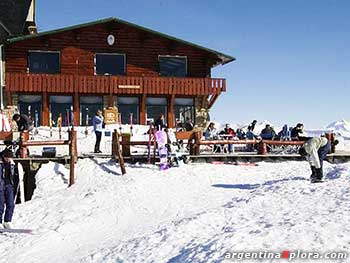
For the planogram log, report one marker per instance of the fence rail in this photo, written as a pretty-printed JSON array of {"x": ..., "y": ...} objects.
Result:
[{"x": 61, "y": 83}]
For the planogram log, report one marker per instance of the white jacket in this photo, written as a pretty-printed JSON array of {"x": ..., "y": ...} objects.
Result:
[{"x": 311, "y": 147}]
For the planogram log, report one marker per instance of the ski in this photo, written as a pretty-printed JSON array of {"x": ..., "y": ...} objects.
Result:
[
  {"x": 235, "y": 163},
  {"x": 16, "y": 230}
]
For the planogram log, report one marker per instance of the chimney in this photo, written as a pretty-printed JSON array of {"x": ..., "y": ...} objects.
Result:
[{"x": 30, "y": 22}]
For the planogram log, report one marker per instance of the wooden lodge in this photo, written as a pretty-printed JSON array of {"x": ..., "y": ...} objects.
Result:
[{"x": 76, "y": 70}]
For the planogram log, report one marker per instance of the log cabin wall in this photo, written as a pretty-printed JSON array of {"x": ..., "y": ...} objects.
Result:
[{"x": 78, "y": 46}]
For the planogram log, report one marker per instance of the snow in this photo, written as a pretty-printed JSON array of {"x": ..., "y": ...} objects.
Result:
[{"x": 194, "y": 213}]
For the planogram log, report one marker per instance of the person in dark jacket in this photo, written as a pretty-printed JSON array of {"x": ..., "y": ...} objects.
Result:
[
  {"x": 228, "y": 134},
  {"x": 24, "y": 123},
  {"x": 252, "y": 125},
  {"x": 297, "y": 133},
  {"x": 188, "y": 125},
  {"x": 268, "y": 133},
  {"x": 284, "y": 134},
  {"x": 159, "y": 124},
  {"x": 8, "y": 187}
]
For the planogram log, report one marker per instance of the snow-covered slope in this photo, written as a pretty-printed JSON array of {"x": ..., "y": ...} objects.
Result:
[{"x": 194, "y": 213}]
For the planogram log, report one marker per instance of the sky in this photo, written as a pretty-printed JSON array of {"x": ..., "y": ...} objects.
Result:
[{"x": 293, "y": 57}]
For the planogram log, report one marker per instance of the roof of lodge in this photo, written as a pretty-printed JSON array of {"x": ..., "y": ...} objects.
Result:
[
  {"x": 223, "y": 58},
  {"x": 13, "y": 14}
]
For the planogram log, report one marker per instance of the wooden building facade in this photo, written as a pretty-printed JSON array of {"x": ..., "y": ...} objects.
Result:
[{"x": 77, "y": 70}]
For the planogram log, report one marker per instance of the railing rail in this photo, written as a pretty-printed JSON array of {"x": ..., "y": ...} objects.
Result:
[{"x": 61, "y": 83}]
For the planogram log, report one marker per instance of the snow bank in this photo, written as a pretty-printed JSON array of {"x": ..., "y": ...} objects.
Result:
[{"x": 194, "y": 213}]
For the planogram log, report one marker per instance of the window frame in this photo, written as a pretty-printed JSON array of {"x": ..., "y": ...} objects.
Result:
[
  {"x": 173, "y": 56},
  {"x": 44, "y": 51},
  {"x": 107, "y": 74}
]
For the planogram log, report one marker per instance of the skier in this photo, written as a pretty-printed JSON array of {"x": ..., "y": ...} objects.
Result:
[
  {"x": 97, "y": 122},
  {"x": 8, "y": 187},
  {"x": 315, "y": 150},
  {"x": 24, "y": 123}
]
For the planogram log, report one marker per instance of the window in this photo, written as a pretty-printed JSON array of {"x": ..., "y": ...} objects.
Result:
[
  {"x": 31, "y": 105},
  {"x": 44, "y": 62},
  {"x": 155, "y": 107},
  {"x": 110, "y": 64},
  {"x": 88, "y": 107},
  {"x": 61, "y": 105},
  {"x": 172, "y": 66},
  {"x": 184, "y": 110},
  {"x": 126, "y": 106}
]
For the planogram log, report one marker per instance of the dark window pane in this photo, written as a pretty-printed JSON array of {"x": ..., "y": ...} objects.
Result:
[
  {"x": 61, "y": 105},
  {"x": 126, "y": 106},
  {"x": 44, "y": 62},
  {"x": 154, "y": 111},
  {"x": 172, "y": 66},
  {"x": 112, "y": 64},
  {"x": 31, "y": 105},
  {"x": 88, "y": 108}
]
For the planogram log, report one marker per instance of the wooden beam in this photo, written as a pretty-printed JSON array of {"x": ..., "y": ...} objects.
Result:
[
  {"x": 171, "y": 115},
  {"x": 143, "y": 110},
  {"x": 76, "y": 108},
  {"x": 212, "y": 100},
  {"x": 45, "y": 120}
]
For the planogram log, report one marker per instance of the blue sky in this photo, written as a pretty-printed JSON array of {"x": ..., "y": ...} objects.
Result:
[{"x": 293, "y": 57}]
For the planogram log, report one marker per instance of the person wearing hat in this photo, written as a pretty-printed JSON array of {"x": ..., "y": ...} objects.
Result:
[
  {"x": 315, "y": 150},
  {"x": 8, "y": 187}
]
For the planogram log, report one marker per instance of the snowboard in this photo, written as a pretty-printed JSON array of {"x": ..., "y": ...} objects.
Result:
[
  {"x": 176, "y": 156},
  {"x": 16, "y": 230},
  {"x": 162, "y": 139},
  {"x": 236, "y": 163}
]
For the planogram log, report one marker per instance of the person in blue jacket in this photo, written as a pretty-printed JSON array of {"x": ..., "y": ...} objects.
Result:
[
  {"x": 97, "y": 123},
  {"x": 8, "y": 187}
]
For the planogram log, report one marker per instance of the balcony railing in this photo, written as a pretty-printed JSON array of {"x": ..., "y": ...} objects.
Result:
[{"x": 21, "y": 82}]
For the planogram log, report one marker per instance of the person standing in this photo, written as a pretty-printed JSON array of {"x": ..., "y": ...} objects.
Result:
[
  {"x": 97, "y": 123},
  {"x": 315, "y": 150},
  {"x": 9, "y": 181}
]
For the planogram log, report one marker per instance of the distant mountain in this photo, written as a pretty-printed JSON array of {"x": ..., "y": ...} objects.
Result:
[{"x": 341, "y": 127}]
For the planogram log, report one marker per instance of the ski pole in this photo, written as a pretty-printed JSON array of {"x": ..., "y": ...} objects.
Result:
[
  {"x": 120, "y": 122},
  {"x": 131, "y": 115}
]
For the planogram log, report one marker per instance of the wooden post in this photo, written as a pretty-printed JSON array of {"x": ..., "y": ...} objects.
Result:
[
  {"x": 114, "y": 143},
  {"x": 195, "y": 142},
  {"x": 125, "y": 144},
  {"x": 116, "y": 151},
  {"x": 120, "y": 155},
  {"x": 171, "y": 115},
  {"x": 331, "y": 138},
  {"x": 24, "y": 137},
  {"x": 72, "y": 154},
  {"x": 262, "y": 148},
  {"x": 45, "y": 117},
  {"x": 143, "y": 110},
  {"x": 76, "y": 109}
]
